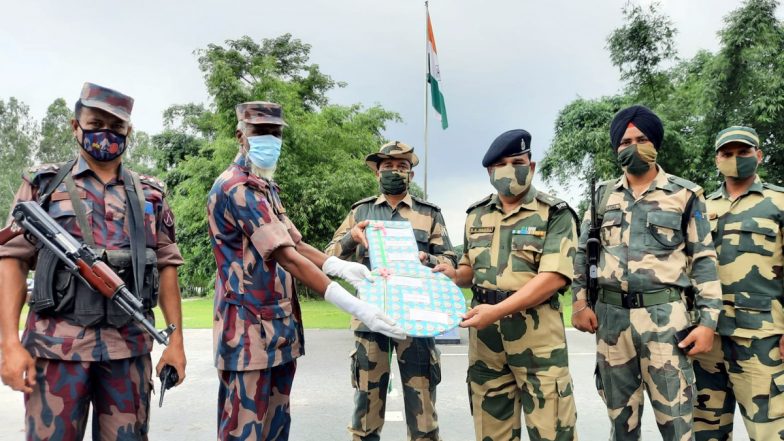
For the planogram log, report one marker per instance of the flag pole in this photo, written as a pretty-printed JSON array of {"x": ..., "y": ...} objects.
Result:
[{"x": 427, "y": 80}]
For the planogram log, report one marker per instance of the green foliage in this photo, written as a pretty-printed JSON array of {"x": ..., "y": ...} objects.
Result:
[
  {"x": 18, "y": 135},
  {"x": 741, "y": 84},
  {"x": 321, "y": 170},
  {"x": 57, "y": 140}
]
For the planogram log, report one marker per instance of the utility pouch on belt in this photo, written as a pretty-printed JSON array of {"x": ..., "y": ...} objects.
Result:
[{"x": 60, "y": 293}]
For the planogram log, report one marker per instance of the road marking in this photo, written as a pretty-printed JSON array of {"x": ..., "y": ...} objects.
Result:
[
  {"x": 465, "y": 355},
  {"x": 393, "y": 415}
]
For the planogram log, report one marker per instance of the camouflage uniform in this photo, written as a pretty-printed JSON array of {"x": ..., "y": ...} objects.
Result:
[
  {"x": 636, "y": 347},
  {"x": 520, "y": 362},
  {"x": 418, "y": 358},
  {"x": 76, "y": 365},
  {"x": 745, "y": 364},
  {"x": 257, "y": 328}
]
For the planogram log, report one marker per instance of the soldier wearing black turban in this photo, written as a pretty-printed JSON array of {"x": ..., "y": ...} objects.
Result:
[{"x": 642, "y": 118}]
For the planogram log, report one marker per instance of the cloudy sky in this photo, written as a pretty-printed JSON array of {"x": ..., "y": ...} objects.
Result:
[{"x": 504, "y": 64}]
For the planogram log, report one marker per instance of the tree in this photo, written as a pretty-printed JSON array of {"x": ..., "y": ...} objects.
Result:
[
  {"x": 741, "y": 84},
  {"x": 321, "y": 169},
  {"x": 57, "y": 140},
  {"x": 18, "y": 135}
]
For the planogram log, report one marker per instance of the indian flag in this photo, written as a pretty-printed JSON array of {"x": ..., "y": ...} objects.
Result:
[{"x": 434, "y": 76}]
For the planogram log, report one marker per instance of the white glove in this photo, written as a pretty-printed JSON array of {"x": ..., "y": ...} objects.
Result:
[
  {"x": 352, "y": 272},
  {"x": 369, "y": 314}
]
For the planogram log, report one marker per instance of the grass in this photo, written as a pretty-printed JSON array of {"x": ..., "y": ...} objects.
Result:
[{"x": 316, "y": 314}]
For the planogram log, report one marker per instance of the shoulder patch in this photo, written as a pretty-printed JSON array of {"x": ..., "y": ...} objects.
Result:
[
  {"x": 424, "y": 202},
  {"x": 773, "y": 187},
  {"x": 363, "y": 201},
  {"x": 685, "y": 183},
  {"x": 479, "y": 203}
]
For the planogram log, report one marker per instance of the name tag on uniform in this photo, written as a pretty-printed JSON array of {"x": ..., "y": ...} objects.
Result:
[
  {"x": 529, "y": 231},
  {"x": 473, "y": 230},
  {"x": 613, "y": 207}
]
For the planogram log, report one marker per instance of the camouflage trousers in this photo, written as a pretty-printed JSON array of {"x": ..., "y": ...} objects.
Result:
[
  {"x": 519, "y": 365},
  {"x": 749, "y": 372},
  {"x": 254, "y": 405},
  {"x": 636, "y": 350},
  {"x": 119, "y": 391},
  {"x": 420, "y": 372}
]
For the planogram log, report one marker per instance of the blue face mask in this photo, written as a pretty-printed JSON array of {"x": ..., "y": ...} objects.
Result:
[{"x": 264, "y": 150}]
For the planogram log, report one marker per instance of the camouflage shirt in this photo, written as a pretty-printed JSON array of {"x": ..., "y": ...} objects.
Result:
[
  {"x": 506, "y": 250},
  {"x": 747, "y": 233},
  {"x": 644, "y": 247},
  {"x": 426, "y": 219},
  {"x": 104, "y": 204},
  {"x": 257, "y": 323}
]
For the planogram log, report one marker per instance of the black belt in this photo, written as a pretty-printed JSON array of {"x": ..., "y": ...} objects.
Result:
[{"x": 490, "y": 296}]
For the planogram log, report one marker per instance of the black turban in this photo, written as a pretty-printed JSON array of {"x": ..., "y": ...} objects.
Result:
[
  {"x": 511, "y": 143},
  {"x": 642, "y": 118}
]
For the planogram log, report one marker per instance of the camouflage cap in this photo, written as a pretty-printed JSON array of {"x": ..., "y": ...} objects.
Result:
[
  {"x": 109, "y": 100},
  {"x": 260, "y": 112},
  {"x": 745, "y": 135},
  {"x": 392, "y": 150}
]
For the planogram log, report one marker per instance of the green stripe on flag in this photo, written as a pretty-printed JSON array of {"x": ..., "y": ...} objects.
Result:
[{"x": 438, "y": 100}]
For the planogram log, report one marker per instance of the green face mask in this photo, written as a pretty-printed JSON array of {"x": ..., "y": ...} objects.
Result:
[
  {"x": 738, "y": 167},
  {"x": 394, "y": 182},
  {"x": 637, "y": 159},
  {"x": 511, "y": 180}
]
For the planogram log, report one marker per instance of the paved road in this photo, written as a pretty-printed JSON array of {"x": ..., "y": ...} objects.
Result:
[{"x": 322, "y": 395}]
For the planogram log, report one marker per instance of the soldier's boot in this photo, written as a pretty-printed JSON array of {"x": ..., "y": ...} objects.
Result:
[
  {"x": 254, "y": 405},
  {"x": 714, "y": 406},
  {"x": 370, "y": 378},
  {"x": 121, "y": 398},
  {"x": 55, "y": 411},
  {"x": 420, "y": 372},
  {"x": 757, "y": 375}
]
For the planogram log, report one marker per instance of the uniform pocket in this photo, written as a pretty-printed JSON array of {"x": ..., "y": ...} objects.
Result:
[
  {"x": 479, "y": 252},
  {"x": 752, "y": 310},
  {"x": 526, "y": 252},
  {"x": 278, "y": 328},
  {"x": 611, "y": 228},
  {"x": 776, "y": 404},
  {"x": 758, "y": 236},
  {"x": 664, "y": 230}
]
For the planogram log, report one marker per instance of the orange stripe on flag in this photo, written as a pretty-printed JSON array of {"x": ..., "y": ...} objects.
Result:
[{"x": 430, "y": 36}]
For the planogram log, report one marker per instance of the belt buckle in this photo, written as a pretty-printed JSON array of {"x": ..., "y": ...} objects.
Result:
[{"x": 632, "y": 300}]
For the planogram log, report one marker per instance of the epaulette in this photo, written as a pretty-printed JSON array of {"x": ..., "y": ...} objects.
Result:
[
  {"x": 424, "y": 202},
  {"x": 715, "y": 195},
  {"x": 479, "y": 203},
  {"x": 606, "y": 183},
  {"x": 554, "y": 203},
  {"x": 773, "y": 187},
  {"x": 362, "y": 201},
  {"x": 153, "y": 182},
  {"x": 696, "y": 189},
  {"x": 34, "y": 174}
]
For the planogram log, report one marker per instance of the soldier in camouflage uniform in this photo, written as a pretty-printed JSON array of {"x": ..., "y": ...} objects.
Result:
[
  {"x": 418, "y": 358},
  {"x": 62, "y": 364},
  {"x": 745, "y": 363},
  {"x": 654, "y": 247},
  {"x": 257, "y": 329},
  {"x": 519, "y": 246}
]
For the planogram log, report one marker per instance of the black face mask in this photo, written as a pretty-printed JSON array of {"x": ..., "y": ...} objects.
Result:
[{"x": 394, "y": 182}]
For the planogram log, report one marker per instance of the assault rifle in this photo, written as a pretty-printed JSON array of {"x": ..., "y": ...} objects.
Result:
[
  {"x": 81, "y": 261},
  {"x": 592, "y": 248}
]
